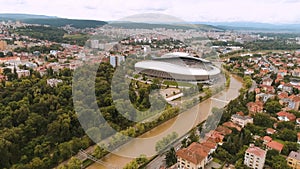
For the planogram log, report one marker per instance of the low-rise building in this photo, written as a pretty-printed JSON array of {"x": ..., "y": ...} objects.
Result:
[
  {"x": 241, "y": 120},
  {"x": 274, "y": 145},
  {"x": 293, "y": 160},
  {"x": 255, "y": 107},
  {"x": 270, "y": 131},
  {"x": 255, "y": 157},
  {"x": 285, "y": 116},
  {"x": 194, "y": 156},
  {"x": 53, "y": 82},
  {"x": 23, "y": 73}
]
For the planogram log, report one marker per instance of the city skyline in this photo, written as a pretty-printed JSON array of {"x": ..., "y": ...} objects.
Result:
[{"x": 269, "y": 11}]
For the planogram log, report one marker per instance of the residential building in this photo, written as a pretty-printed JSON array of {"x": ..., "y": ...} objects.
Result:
[
  {"x": 230, "y": 124},
  {"x": 285, "y": 116},
  {"x": 116, "y": 60},
  {"x": 194, "y": 156},
  {"x": 267, "y": 81},
  {"x": 274, "y": 145},
  {"x": 255, "y": 107},
  {"x": 241, "y": 120},
  {"x": 264, "y": 97},
  {"x": 293, "y": 102},
  {"x": 255, "y": 157},
  {"x": 53, "y": 82},
  {"x": 23, "y": 73},
  {"x": 270, "y": 131},
  {"x": 293, "y": 160},
  {"x": 267, "y": 139},
  {"x": 3, "y": 45}
]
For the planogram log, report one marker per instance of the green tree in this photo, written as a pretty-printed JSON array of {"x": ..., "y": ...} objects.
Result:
[
  {"x": 171, "y": 158},
  {"x": 273, "y": 107}
]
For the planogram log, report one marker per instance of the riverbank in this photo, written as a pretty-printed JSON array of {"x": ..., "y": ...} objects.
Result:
[{"x": 195, "y": 115}]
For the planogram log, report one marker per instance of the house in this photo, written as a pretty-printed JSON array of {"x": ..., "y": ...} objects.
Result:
[
  {"x": 241, "y": 120},
  {"x": 53, "y": 82},
  {"x": 223, "y": 130},
  {"x": 230, "y": 124},
  {"x": 293, "y": 160},
  {"x": 293, "y": 102},
  {"x": 270, "y": 131},
  {"x": 249, "y": 71},
  {"x": 286, "y": 87},
  {"x": 255, "y": 157},
  {"x": 296, "y": 72},
  {"x": 267, "y": 81},
  {"x": 283, "y": 95},
  {"x": 23, "y": 73},
  {"x": 267, "y": 139},
  {"x": 298, "y": 121},
  {"x": 264, "y": 97},
  {"x": 255, "y": 107},
  {"x": 194, "y": 156},
  {"x": 268, "y": 89},
  {"x": 285, "y": 116},
  {"x": 274, "y": 145},
  {"x": 282, "y": 72},
  {"x": 214, "y": 136}
]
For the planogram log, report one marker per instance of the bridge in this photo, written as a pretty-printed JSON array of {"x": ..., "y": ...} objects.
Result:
[{"x": 84, "y": 154}]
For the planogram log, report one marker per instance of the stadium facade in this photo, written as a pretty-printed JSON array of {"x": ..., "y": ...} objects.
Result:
[{"x": 180, "y": 67}]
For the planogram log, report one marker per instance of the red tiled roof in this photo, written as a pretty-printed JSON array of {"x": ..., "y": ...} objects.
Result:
[
  {"x": 195, "y": 153},
  {"x": 231, "y": 125},
  {"x": 223, "y": 130},
  {"x": 294, "y": 98},
  {"x": 283, "y": 95},
  {"x": 275, "y": 145},
  {"x": 267, "y": 139},
  {"x": 256, "y": 151},
  {"x": 270, "y": 130},
  {"x": 290, "y": 116}
]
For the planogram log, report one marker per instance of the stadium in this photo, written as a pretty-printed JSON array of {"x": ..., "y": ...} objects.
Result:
[{"x": 180, "y": 67}]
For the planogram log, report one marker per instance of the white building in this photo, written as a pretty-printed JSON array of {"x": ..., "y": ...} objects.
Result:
[
  {"x": 255, "y": 157},
  {"x": 95, "y": 44},
  {"x": 116, "y": 60},
  {"x": 241, "y": 120}
]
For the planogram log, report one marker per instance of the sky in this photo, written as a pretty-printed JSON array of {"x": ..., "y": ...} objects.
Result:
[{"x": 266, "y": 11}]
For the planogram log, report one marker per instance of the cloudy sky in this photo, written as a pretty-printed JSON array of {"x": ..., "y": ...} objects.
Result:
[{"x": 267, "y": 11}]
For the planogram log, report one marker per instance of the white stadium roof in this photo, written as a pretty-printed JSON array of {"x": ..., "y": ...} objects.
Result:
[{"x": 176, "y": 69}]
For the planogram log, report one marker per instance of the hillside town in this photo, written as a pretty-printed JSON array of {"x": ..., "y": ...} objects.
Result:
[
  {"x": 270, "y": 115},
  {"x": 259, "y": 129}
]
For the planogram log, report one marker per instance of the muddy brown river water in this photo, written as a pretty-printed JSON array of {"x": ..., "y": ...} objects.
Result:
[{"x": 145, "y": 144}]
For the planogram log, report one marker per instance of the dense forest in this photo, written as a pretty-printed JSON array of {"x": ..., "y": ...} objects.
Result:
[
  {"x": 39, "y": 127},
  {"x": 53, "y": 34},
  {"x": 59, "y": 22}
]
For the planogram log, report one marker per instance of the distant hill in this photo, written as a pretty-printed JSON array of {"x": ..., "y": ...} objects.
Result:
[
  {"x": 58, "y": 22},
  {"x": 255, "y": 26},
  {"x": 12, "y": 16},
  {"x": 135, "y": 25},
  {"x": 52, "y": 21}
]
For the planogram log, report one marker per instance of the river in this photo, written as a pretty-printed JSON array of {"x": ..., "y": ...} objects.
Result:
[{"x": 145, "y": 144}]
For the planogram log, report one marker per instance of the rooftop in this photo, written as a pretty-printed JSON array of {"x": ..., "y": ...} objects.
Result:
[
  {"x": 256, "y": 151},
  {"x": 294, "y": 155},
  {"x": 275, "y": 145}
]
